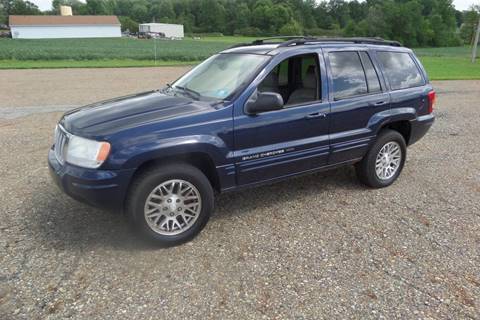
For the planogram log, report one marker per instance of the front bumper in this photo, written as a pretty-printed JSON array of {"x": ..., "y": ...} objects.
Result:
[{"x": 100, "y": 188}]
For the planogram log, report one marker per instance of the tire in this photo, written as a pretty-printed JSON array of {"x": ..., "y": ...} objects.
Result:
[
  {"x": 367, "y": 168},
  {"x": 190, "y": 208}
]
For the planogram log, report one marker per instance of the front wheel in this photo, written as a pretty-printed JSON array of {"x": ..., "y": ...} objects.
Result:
[
  {"x": 170, "y": 204},
  {"x": 384, "y": 162}
]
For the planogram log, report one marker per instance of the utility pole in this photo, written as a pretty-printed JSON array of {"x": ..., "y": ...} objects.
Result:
[{"x": 475, "y": 43}]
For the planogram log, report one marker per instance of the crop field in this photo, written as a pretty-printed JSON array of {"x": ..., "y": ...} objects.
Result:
[
  {"x": 102, "y": 49},
  {"x": 441, "y": 63}
]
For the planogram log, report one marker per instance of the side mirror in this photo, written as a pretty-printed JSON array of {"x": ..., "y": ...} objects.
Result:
[{"x": 264, "y": 101}]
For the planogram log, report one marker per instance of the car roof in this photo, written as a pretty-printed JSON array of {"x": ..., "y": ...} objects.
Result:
[{"x": 263, "y": 47}]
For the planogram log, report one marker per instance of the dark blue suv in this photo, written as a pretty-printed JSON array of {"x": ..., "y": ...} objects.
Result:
[{"x": 252, "y": 114}]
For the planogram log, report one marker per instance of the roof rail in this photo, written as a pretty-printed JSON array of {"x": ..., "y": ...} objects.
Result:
[
  {"x": 364, "y": 40},
  {"x": 262, "y": 41},
  {"x": 300, "y": 40},
  {"x": 257, "y": 42}
]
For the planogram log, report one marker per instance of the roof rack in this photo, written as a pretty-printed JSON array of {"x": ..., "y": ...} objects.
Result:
[
  {"x": 301, "y": 40},
  {"x": 363, "y": 40},
  {"x": 262, "y": 41}
]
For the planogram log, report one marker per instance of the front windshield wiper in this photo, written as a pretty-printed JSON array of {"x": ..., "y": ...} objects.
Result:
[
  {"x": 189, "y": 92},
  {"x": 168, "y": 87}
]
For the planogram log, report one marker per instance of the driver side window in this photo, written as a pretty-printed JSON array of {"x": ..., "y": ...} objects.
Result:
[{"x": 296, "y": 79}]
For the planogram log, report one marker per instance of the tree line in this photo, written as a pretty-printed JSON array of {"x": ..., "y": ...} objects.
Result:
[{"x": 412, "y": 22}]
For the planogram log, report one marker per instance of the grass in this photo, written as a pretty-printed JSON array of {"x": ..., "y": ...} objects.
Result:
[
  {"x": 229, "y": 39},
  {"x": 109, "y": 48},
  {"x": 452, "y": 63},
  {"x": 465, "y": 52},
  {"x": 110, "y": 63},
  {"x": 441, "y": 63},
  {"x": 451, "y": 68}
]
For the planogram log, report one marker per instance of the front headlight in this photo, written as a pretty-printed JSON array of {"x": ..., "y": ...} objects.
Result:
[{"x": 86, "y": 153}]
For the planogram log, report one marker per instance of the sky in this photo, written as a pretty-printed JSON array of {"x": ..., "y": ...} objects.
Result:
[{"x": 459, "y": 4}]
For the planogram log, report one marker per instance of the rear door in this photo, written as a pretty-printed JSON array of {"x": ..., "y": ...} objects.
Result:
[{"x": 356, "y": 92}]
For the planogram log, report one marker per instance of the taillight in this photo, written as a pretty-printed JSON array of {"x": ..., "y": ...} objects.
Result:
[{"x": 431, "y": 101}]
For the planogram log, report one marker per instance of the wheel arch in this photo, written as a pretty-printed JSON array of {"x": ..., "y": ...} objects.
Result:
[
  {"x": 403, "y": 127},
  {"x": 200, "y": 160},
  {"x": 395, "y": 119}
]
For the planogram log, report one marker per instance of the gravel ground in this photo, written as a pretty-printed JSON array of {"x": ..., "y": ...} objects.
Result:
[
  {"x": 320, "y": 246},
  {"x": 54, "y": 87}
]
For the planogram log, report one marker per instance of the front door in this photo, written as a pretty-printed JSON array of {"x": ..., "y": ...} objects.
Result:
[{"x": 285, "y": 142}]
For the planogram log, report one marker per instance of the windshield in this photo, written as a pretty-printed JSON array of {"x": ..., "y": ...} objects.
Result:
[{"x": 220, "y": 75}]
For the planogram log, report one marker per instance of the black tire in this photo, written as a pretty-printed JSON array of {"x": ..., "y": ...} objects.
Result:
[
  {"x": 366, "y": 168},
  {"x": 148, "y": 180}
]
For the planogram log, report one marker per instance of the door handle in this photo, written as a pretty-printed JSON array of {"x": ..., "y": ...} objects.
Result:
[
  {"x": 316, "y": 115},
  {"x": 380, "y": 103}
]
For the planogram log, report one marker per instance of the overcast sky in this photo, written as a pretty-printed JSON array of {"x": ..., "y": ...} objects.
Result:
[{"x": 459, "y": 4}]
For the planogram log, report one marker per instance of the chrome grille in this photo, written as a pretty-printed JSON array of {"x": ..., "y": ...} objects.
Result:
[{"x": 61, "y": 139}]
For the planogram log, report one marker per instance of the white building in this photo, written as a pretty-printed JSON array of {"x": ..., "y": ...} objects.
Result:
[
  {"x": 43, "y": 27},
  {"x": 169, "y": 30}
]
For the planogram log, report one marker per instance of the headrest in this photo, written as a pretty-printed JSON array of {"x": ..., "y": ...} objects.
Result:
[{"x": 310, "y": 81}]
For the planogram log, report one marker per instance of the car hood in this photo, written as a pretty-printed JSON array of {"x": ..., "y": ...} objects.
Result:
[{"x": 107, "y": 117}]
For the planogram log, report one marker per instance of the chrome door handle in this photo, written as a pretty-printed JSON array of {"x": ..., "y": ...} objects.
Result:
[{"x": 316, "y": 115}]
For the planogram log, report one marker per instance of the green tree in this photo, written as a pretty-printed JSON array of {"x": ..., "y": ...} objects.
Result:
[
  {"x": 340, "y": 12},
  {"x": 19, "y": 7},
  {"x": 261, "y": 16},
  {"x": 237, "y": 15},
  {"x": 413, "y": 22},
  {"x": 468, "y": 28},
  {"x": 3, "y": 13},
  {"x": 163, "y": 11},
  {"x": 292, "y": 28},
  {"x": 127, "y": 24},
  {"x": 351, "y": 29},
  {"x": 211, "y": 16},
  {"x": 96, "y": 7},
  {"x": 139, "y": 11},
  {"x": 323, "y": 18},
  {"x": 375, "y": 24}
]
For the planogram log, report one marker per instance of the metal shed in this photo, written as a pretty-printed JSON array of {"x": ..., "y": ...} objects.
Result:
[{"x": 47, "y": 27}]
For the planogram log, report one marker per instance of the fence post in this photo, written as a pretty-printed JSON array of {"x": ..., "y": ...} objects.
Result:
[
  {"x": 475, "y": 43},
  {"x": 155, "y": 47}
]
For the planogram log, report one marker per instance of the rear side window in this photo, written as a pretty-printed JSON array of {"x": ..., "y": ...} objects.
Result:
[
  {"x": 347, "y": 73},
  {"x": 400, "y": 70},
  {"x": 372, "y": 77}
]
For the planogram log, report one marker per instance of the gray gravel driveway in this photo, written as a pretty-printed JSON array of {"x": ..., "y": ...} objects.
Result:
[{"x": 316, "y": 247}]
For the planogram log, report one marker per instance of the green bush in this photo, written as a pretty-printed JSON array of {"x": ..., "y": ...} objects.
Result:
[
  {"x": 323, "y": 32},
  {"x": 249, "y": 32},
  {"x": 292, "y": 28},
  {"x": 128, "y": 24}
]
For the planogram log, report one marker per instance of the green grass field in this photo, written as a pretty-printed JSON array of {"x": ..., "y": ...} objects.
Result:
[
  {"x": 441, "y": 63},
  {"x": 106, "y": 49},
  {"x": 110, "y": 63}
]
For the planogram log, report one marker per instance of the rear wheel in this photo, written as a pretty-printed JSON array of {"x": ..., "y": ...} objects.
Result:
[
  {"x": 384, "y": 162},
  {"x": 170, "y": 204}
]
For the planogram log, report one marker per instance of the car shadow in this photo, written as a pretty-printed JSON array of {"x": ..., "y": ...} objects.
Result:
[
  {"x": 63, "y": 223},
  {"x": 245, "y": 201}
]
